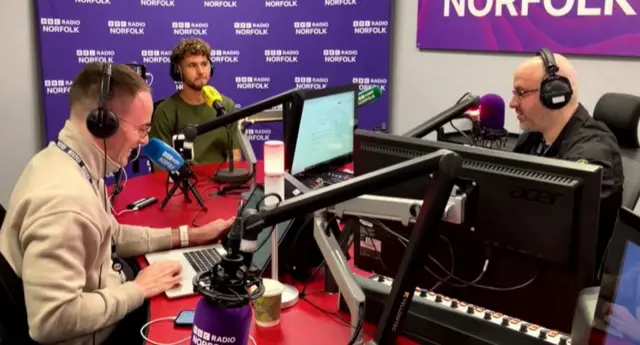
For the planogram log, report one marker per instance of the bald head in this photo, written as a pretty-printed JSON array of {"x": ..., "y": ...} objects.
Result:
[
  {"x": 531, "y": 112},
  {"x": 533, "y": 71}
]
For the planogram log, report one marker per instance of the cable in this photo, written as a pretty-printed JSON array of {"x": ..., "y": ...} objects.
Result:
[
  {"x": 403, "y": 240},
  {"x": 465, "y": 283},
  {"x": 358, "y": 329},
  {"x": 264, "y": 197},
  {"x": 171, "y": 318}
]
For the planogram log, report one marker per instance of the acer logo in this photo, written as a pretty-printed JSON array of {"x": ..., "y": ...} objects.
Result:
[{"x": 534, "y": 195}]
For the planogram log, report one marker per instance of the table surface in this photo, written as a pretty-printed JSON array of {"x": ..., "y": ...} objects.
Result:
[{"x": 314, "y": 320}]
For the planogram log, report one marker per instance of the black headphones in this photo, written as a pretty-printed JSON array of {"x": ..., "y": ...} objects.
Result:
[
  {"x": 555, "y": 90},
  {"x": 101, "y": 122},
  {"x": 176, "y": 74}
]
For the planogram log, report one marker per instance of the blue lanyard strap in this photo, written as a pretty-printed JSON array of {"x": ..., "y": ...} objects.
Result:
[{"x": 71, "y": 153}]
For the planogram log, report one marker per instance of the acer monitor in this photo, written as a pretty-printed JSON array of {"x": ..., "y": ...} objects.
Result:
[{"x": 518, "y": 216}]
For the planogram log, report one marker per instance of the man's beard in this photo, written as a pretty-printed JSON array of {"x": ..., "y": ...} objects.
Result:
[{"x": 195, "y": 85}]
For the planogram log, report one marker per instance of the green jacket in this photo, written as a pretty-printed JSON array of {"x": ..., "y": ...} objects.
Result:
[{"x": 173, "y": 114}]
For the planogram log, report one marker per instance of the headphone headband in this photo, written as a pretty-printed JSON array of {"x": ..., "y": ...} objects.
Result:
[
  {"x": 105, "y": 86},
  {"x": 549, "y": 61}
]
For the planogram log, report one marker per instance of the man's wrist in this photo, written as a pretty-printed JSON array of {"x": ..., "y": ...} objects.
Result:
[{"x": 181, "y": 236}]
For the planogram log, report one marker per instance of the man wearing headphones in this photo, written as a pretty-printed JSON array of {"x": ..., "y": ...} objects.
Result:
[
  {"x": 191, "y": 64},
  {"x": 59, "y": 235},
  {"x": 555, "y": 124}
]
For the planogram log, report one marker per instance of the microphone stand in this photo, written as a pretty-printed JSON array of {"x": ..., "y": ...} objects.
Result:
[
  {"x": 181, "y": 179},
  {"x": 231, "y": 174},
  {"x": 443, "y": 164}
]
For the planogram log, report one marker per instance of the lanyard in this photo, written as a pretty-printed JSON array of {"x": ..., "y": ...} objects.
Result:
[
  {"x": 117, "y": 265},
  {"x": 71, "y": 153}
]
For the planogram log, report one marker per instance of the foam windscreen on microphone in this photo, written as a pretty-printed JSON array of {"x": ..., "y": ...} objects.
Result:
[
  {"x": 211, "y": 96},
  {"x": 163, "y": 155},
  {"x": 492, "y": 111}
]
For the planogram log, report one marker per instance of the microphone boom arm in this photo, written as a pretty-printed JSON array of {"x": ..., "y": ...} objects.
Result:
[
  {"x": 444, "y": 165},
  {"x": 443, "y": 118},
  {"x": 192, "y": 131}
]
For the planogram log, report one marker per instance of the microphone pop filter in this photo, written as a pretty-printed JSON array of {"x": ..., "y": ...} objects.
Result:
[{"x": 492, "y": 111}]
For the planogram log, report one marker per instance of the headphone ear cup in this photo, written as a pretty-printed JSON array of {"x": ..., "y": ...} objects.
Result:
[
  {"x": 555, "y": 92},
  {"x": 102, "y": 124},
  {"x": 174, "y": 72}
]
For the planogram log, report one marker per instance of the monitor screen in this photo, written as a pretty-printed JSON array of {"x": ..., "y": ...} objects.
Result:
[
  {"x": 616, "y": 319},
  {"x": 325, "y": 132},
  {"x": 624, "y": 311}
]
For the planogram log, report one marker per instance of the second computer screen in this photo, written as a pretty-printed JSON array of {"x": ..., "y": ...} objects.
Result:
[{"x": 326, "y": 130}]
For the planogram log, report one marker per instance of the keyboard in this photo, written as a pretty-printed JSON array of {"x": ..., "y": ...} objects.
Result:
[
  {"x": 327, "y": 178},
  {"x": 202, "y": 260},
  {"x": 437, "y": 319}
]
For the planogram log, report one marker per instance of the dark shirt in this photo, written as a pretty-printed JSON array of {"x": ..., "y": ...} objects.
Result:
[{"x": 584, "y": 139}]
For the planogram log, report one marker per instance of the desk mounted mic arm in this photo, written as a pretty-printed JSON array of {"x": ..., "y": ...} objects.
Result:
[
  {"x": 192, "y": 131},
  {"x": 443, "y": 164},
  {"x": 443, "y": 118}
]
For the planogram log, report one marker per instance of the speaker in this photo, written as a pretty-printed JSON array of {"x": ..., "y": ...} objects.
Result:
[
  {"x": 101, "y": 122},
  {"x": 555, "y": 90}
]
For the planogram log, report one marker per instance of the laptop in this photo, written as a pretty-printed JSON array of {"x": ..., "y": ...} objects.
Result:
[
  {"x": 610, "y": 313},
  {"x": 199, "y": 259}
]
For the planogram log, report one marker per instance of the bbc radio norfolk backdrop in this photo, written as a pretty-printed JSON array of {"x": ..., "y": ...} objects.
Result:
[
  {"x": 260, "y": 47},
  {"x": 594, "y": 27}
]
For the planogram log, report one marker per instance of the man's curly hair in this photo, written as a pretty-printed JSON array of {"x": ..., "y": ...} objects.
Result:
[{"x": 188, "y": 47}]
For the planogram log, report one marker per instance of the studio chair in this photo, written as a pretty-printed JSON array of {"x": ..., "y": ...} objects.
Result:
[
  {"x": 13, "y": 313},
  {"x": 621, "y": 113}
]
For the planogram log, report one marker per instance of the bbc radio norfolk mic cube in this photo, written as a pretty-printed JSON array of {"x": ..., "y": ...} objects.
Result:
[{"x": 604, "y": 27}]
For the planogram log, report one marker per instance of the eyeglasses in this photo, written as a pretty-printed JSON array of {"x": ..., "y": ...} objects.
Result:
[
  {"x": 522, "y": 93},
  {"x": 143, "y": 130}
]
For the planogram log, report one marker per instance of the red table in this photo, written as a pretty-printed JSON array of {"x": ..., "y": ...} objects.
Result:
[{"x": 303, "y": 323}]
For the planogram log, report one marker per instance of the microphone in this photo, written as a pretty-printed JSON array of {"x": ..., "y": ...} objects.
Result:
[
  {"x": 229, "y": 175},
  {"x": 454, "y": 112},
  {"x": 168, "y": 159},
  {"x": 491, "y": 132},
  {"x": 213, "y": 99},
  {"x": 163, "y": 155},
  {"x": 492, "y": 111},
  {"x": 369, "y": 95}
]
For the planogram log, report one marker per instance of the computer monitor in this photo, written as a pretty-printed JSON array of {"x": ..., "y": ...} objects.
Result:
[
  {"x": 617, "y": 312},
  {"x": 529, "y": 216},
  {"x": 325, "y": 128}
]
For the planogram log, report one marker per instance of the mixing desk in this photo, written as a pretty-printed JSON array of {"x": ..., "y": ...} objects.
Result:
[{"x": 437, "y": 319}]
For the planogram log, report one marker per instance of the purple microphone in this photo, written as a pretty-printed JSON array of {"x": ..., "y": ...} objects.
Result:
[
  {"x": 491, "y": 132},
  {"x": 492, "y": 111},
  {"x": 223, "y": 314}
]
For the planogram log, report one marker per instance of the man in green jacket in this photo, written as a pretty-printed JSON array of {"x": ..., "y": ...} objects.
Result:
[{"x": 191, "y": 64}]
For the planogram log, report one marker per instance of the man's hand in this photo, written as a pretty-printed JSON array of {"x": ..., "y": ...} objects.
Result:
[
  {"x": 159, "y": 277},
  {"x": 209, "y": 233}
]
